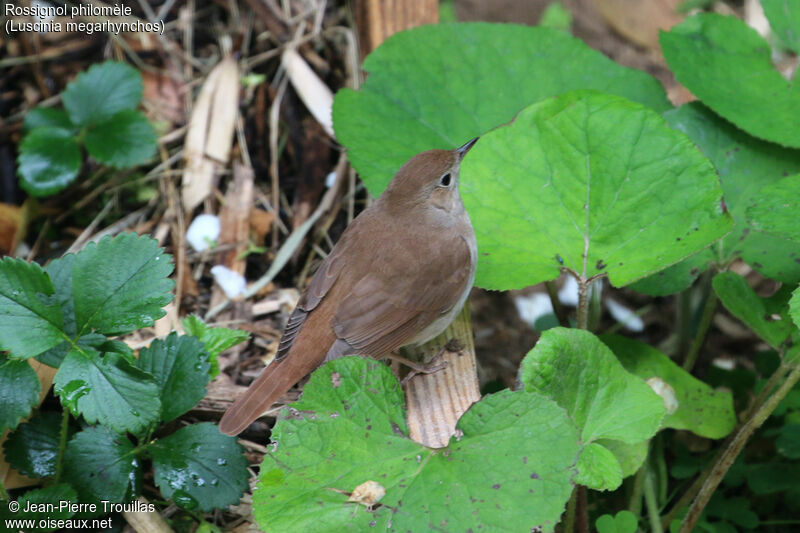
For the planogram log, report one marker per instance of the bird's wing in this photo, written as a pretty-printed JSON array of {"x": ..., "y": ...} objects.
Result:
[
  {"x": 322, "y": 281},
  {"x": 397, "y": 299}
]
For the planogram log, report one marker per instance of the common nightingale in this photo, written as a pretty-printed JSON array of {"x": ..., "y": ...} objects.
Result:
[{"x": 399, "y": 274}]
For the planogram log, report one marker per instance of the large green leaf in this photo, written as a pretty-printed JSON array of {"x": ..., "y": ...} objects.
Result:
[
  {"x": 579, "y": 373},
  {"x": 784, "y": 19},
  {"x": 49, "y": 160},
  {"x": 109, "y": 390},
  {"x": 127, "y": 139},
  {"x": 199, "y": 464},
  {"x": 33, "y": 448},
  {"x": 180, "y": 367},
  {"x": 701, "y": 409},
  {"x": 439, "y": 86},
  {"x": 19, "y": 391},
  {"x": 120, "y": 284},
  {"x": 775, "y": 209},
  {"x": 101, "y": 92},
  {"x": 549, "y": 192},
  {"x": 745, "y": 165},
  {"x": 728, "y": 66},
  {"x": 31, "y": 318},
  {"x": 100, "y": 465},
  {"x": 510, "y": 463},
  {"x": 742, "y": 301}
]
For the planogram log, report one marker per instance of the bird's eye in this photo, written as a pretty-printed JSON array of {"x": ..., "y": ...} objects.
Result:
[{"x": 445, "y": 180}]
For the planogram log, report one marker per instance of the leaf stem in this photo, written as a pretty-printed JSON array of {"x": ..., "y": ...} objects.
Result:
[
  {"x": 635, "y": 503},
  {"x": 62, "y": 443},
  {"x": 583, "y": 303},
  {"x": 569, "y": 519},
  {"x": 729, "y": 455},
  {"x": 558, "y": 309},
  {"x": 705, "y": 322},
  {"x": 651, "y": 500},
  {"x": 3, "y": 493}
]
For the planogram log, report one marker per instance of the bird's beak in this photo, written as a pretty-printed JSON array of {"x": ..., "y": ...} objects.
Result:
[{"x": 464, "y": 149}]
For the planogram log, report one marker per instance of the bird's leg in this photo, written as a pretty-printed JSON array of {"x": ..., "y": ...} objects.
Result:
[{"x": 419, "y": 368}]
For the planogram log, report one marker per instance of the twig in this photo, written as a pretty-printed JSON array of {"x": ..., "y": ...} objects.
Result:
[
  {"x": 274, "y": 116},
  {"x": 702, "y": 330},
  {"x": 736, "y": 446}
]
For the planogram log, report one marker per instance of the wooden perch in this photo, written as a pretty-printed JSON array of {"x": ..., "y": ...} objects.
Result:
[{"x": 436, "y": 401}]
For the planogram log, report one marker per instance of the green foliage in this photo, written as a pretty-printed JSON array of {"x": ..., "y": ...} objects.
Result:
[
  {"x": 701, "y": 409},
  {"x": 33, "y": 448},
  {"x": 784, "y": 20},
  {"x": 511, "y": 461},
  {"x": 19, "y": 391},
  {"x": 54, "y": 494},
  {"x": 100, "y": 112},
  {"x": 774, "y": 209},
  {"x": 100, "y": 465},
  {"x": 101, "y": 92},
  {"x": 120, "y": 285},
  {"x": 216, "y": 340},
  {"x": 108, "y": 389},
  {"x": 556, "y": 16},
  {"x": 561, "y": 196},
  {"x": 181, "y": 370},
  {"x": 439, "y": 86},
  {"x": 727, "y": 65},
  {"x": 578, "y": 372},
  {"x": 745, "y": 165},
  {"x": 64, "y": 314},
  {"x": 756, "y": 312},
  {"x": 32, "y": 320},
  {"x": 623, "y": 522},
  {"x": 49, "y": 159},
  {"x": 199, "y": 464}
]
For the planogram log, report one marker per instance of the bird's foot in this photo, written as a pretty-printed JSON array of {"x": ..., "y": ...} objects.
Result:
[{"x": 434, "y": 365}]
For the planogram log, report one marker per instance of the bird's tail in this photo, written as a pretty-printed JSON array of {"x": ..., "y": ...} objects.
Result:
[{"x": 276, "y": 379}]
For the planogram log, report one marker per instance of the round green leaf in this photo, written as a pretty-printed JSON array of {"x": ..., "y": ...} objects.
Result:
[
  {"x": 788, "y": 442},
  {"x": 510, "y": 463},
  {"x": 33, "y": 448},
  {"x": 120, "y": 284},
  {"x": 630, "y": 456},
  {"x": 41, "y": 117},
  {"x": 728, "y": 66},
  {"x": 701, "y": 409},
  {"x": 19, "y": 391},
  {"x": 774, "y": 209},
  {"x": 551, "y": 191},
  {"x": 197, "y": 466},
  {"x": 623, "y": 522},
  {"x": 598, "y": 467},
  {"x": 49, "y": 159},
  {"x": 125, "y": 140},
  {"x": 784, "y": 20},
  {"x": 100, "y": 465},
  {"x": 439, "y": 86},
  {"x": 109, "y": 390},
  {"x": 101, "y": 92},
  {"x": 180, "y": 367},
  {"x": 745, "y": 165},
  {"x": 577, "y": 371}
]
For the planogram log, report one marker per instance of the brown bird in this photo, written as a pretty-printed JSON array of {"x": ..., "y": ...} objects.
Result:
[{"x": 398, "y": 275}]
